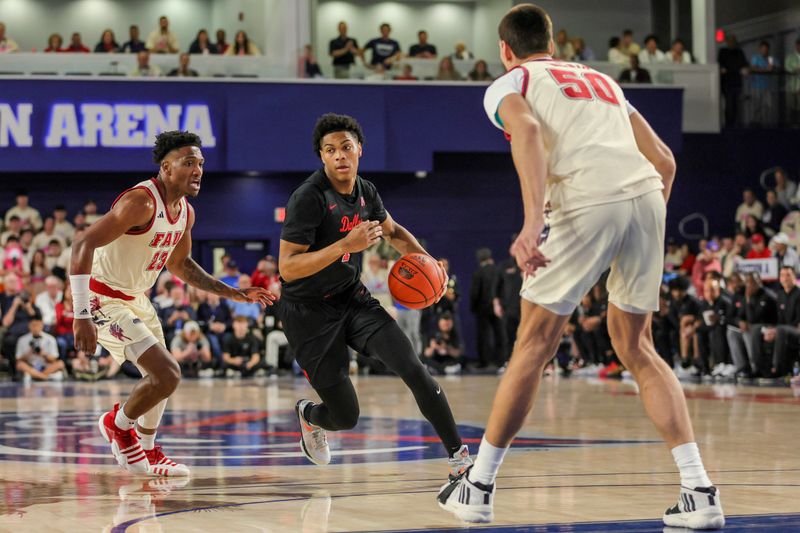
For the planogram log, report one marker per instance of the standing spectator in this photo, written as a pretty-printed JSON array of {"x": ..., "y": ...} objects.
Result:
[
  {"x": 407, "y": 74},
  {"x": 759, "y": 249},
  {"x": 242, "y": 46},
  {"x": 76, "y": 45},
  {"x": 787, "y": 256},
  {"x": 774, "y": 213},
  {"x": 108, "y": 44},
  {"x": 447, "y": 72},
  {"x": 732, "y": 68},
  {"x": 480, "y": 72},
  {"x": 241, "y": 350},
  {"x": 582, "y": 52},
  {"x": 564, "y": 49},
  {"x": 143, "y": 69},
  {"x": 161, "y": 40},
  {"x": 462, "y": 53},
  {"x": 37, "y": 354},
  {"x": 90, "y": 207},
  {"x": 792, "y": 65},
  {"x": 54, "y": 43},
  {"x": 202, "y": 45},
  {"x": 629, "y": 47},
  {"x": 787, "y": 333},
  {"x": 343, "y": 49},
  {"x": 308, "y": 66},
  {"x": 635, "y": 74},
  {"x": 63, "y": 227},
  {"x": 707, "y": 261},
  {"x": 650, "y": 54},
  {"x": 17, "y": 309},
  {"x": 47, "y": 300},
  {"x": 134, "y": 44},
  {"x": 760, "y": 313},
  {"x": 485, "y": 305},
  {"x": 615, "y": 53},
  {"x": 7, "y": 44},
  {"x": 385, "y": 51},
  {"x": 221, "y": 44},
  {"x": 423, "y": 49},
  {"x": 231, "y": 275},
  {"x": 785, "y": 188},
  {"x": 678, "y": 54},
  {"x": 183, "y": 70},
  {"x": 509, "y": 287},
  {"x": 28, "y": 216},
  {"x": 48, "y": 233},
  {"x": 762, "y": 65},
  {"x": 749, "y": 206},
  {"x": 191, "y": 349},
  {"x": 443, "y": 352},
  {"x": 715, "y": 312},
  {"x": 250, "y": 310}
]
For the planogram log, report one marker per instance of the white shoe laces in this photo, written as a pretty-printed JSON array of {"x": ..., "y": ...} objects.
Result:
[{"x": 320, "y": 438}]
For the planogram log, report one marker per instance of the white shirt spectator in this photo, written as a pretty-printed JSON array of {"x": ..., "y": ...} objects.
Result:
[
  {"x": 48, "y": 347},
  {"x": 47, "y": 305},
  {"x": 756, "y": 209},
  {"x": 618, "y": 57},
  {"x": 66, "y": 230},
  {"x": 686, "y": 58},
  {"x": 28, "y": 215},
  {"x": 42, "y": 240},
  {"x": 646, "y": 58},
  {"x": 162, "y": 42}
]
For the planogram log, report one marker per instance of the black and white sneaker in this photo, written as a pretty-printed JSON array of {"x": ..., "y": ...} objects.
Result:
[
  {"x": 697, "y": 508},
  {"x": 468, "y": 500}
]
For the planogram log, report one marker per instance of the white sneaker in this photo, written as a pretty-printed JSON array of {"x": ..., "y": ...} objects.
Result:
[
  {"x": 206, "y": 373},
  {"x": 26, "y": 379},
  {"x": 451, "y": 370},
  {"x": 56, "y": 376},
  {"x": 697, "y": 508},
  {"x": 313, "y": 443},
  {"x": 470, "y": 501}
]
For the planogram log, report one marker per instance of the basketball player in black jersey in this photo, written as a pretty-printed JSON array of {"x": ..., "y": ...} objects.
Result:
[{"x": 330, "y": 219}]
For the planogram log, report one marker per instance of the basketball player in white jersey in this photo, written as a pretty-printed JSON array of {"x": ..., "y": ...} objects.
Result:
[
  {"x": 595, "y": 179},
  {"x": 114, "y": 262}
]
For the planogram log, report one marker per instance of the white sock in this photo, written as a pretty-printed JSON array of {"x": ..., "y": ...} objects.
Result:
[
  {"x": 148, "y": 442},
  {"x": 122, "y": 421},
  {"x": 693, "y": 474},
  {"x": 487, "y": 463}
]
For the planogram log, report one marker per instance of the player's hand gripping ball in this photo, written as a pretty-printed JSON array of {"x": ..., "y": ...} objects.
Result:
[{"x": 417, "y": 281}]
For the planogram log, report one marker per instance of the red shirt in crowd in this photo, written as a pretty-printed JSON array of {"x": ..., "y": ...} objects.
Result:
[
  {"x": 766, "y": 253},
  {"x": 64, "y": 320}
]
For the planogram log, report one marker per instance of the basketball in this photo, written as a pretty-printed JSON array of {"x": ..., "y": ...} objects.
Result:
[{"x": 416, "y": 281}]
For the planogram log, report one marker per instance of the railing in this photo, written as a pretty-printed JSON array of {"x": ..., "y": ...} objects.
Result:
[{"x": 770, "y": 100}]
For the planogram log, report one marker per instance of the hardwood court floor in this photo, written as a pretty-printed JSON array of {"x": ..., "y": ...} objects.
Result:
[{"x": 587, "y": 460}]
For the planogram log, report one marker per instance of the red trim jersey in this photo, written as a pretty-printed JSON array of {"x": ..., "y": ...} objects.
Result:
[{"x": 130, "y": 264}]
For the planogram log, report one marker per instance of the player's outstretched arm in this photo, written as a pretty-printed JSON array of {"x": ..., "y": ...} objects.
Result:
[
  {"x": 655, "y": 150},
  {"x": 182, "y": 265}
]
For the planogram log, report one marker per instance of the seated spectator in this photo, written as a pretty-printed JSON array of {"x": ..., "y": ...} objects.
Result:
[
  {"x": 564, "y": 49},
  {"x": 242, "y": 46},
  {"x": 275, "y": 338},
  {"x": 378, "y": 73},
  {"x": 47, "y": 300},
  {"x": 785, "y": 188},
  {"x": 635, "y": 74},
  {"x": 461, "y": 52},
  {"x": 683, "y": 310},
  {"x": 54, "y": 259},
  {"x": 62, "y": 226},
  {"x": 143, "y": 69},
  {"x": 79, "y": 219},
  {"x": 615, "y": 53},
  {"x": 231, "y": 276},
  {"x": 191, "y": 349},
  {"x": 673, "y": 257},
  {"x": 423, "y": 49},
  {"x": 183, "y": 70},
  {"x": 48, "y": 233},
  {"x": 28, "y": 216},
  {"x": 266, "y": 273},
  {"x": 407, "y": 74},
  {"x": 787, "y": 256},
  {"x": 385, "y": 51},
  {"x": 749, "y": 206},
  {"x": 134, "y": 44},
  {"x": 76, "y": 45},
  {"x": 163, "y": 291},
  {"x": 443, "y": 352},
  {"x": 752, "y": 226},
  {"x": 90, "y": 207},
  {"x": 447, "y": 72},
  {"x": 66, "y": 256},
  {"x": 480, "y": 72},
  {"x": 17, "y": 310},
  {"x": 730, "y": 254},
  {"x": 650, "y": 54},
  {"x": 241, "y": 350},
  {"x": 214, "y": 317},
  {"x": 250, "y": 310},
  {"x": 54, "y": 43},
  {"x": 375, "y": 277},
  {"x": 37, "y": 354},
  {"x": 7, "y": 44},
  {"x": 26, "y": 243},
  {"x": 706, "y": 261},
  {"x": 309, "y": 68},
  {"x": 582, "y": 52},
  {"x": 677, "y": 54},
  {"x": 173, "y": 317},
  {"x": 38, "y": 270},
  {"x": 221, "y": 45},
  {"x": 202, "y": 45},
  {"x": 628, "y": 46},
  {"x": 14, "y": 258},
  {"x": 786, "y": 335},
  {"x": 161, "y": 40},
  {"x": 13, "y": 229},
  {"x": 62, "y": 328},
  {"x": 108, "y": 44},
  {"x": 688, "y": 260},
  {"x": 774, "y": 213},
  {"x": 716, "y": 311},
  {"x": 759, "y": 249},
  {"x": 759, "y": 312}
]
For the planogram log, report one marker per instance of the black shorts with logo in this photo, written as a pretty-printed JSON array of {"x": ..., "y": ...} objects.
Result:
[{"x": 320, "y": 332}]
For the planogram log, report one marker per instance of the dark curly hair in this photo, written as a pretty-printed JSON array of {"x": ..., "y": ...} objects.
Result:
[
  {"x": 168, "y": 141},
  {"x": 330, "y": 123}
]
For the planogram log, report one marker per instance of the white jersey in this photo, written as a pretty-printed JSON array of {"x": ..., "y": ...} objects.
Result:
[
  {"x": 591, "y": 152},
  {"x": 131, "y": 263}
]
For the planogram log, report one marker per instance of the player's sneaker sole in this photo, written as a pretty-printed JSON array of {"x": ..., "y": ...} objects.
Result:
[
  {"x": 134, "y": 468},
  {"x": 458, "y": 497},
  {"x": 687, "y": 515},
  {"x": 702, "y": 519}
]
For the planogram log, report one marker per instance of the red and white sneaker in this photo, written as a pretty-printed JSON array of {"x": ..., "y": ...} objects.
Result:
[
  {"x": 124, "y": 444},
  {"x": 161, "y": 465}
]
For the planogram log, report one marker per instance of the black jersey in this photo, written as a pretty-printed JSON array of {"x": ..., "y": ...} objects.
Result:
[{"x": 319, "y": 216}]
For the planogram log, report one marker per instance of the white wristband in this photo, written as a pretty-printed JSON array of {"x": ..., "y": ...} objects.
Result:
[{"x": 80, "y": 295}]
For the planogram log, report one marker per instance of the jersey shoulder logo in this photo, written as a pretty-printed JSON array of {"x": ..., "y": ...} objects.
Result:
[{"x": 332, "y": 207}]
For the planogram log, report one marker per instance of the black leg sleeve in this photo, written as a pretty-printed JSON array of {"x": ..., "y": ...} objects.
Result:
[
  {"x": 392, "y": 347},
  {"x": 339, "y": 407}
]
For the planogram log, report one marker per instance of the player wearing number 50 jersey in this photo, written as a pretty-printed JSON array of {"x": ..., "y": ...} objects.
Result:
[
  {"x": 595, "y": 179},
  {"x": 114, "y": 263}
]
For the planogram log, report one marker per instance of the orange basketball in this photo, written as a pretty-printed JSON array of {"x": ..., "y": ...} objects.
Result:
[{"x": 416, "y": 281}]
